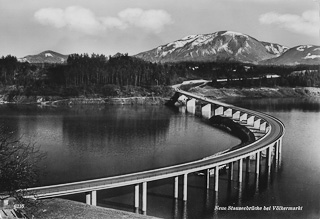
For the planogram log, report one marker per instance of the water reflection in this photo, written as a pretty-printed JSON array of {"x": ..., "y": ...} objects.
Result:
[{"x": 86, "y": 142}]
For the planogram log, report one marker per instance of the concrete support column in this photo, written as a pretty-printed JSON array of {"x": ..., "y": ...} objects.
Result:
[
  {"x": 206, "y": 111},
  {"x": 236, "y": 115},
  {"x": 88, "y": 198},
  {"x": 136, "y": 196},
  {"x": 231, "y": 171},
  {"x": 216, "y": 178},
  {"x": 228, "y": 113},
  {"x": 268, "y": 163},
  {"x": 263, "y": 127},
  {"x": 176, "y": 187},
  {"x": 276, "y": 149},
  {"x": 144, "y": 196},
  {"x": 258, "y": 163},
  {"x": 248, "y": 164},
  {"x": 208, "y": 179},
  {"x": 94, "y": 198},
  {"x": 240, "y": 162},
  {"x": 243, "y": 117},
  {"x": 185, "y": 187},
  {"x": 250, "y": 120},
  {"x": 280, "y": 150},
  {"x": 191, "y": 106},
  {"x": 218, "y": 111},
  {"x": 269, "y": 154},
  {"x": 256, "y": 124}
]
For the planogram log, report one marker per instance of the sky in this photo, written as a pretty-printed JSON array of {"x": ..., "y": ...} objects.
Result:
[{"x": 132, "y": 26}]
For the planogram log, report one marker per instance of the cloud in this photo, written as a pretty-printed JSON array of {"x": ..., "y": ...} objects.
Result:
[
  {"x": 266, "y": 1},
  {"x": 153, "y": 20},
  {"x": 83, "y": 20},
  {"x": 307, "y": 23}
]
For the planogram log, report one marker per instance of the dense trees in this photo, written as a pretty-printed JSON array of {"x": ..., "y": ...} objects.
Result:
[{"x": 87, "y": 74}]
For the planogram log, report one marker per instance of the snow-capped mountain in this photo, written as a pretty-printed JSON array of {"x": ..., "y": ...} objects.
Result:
[
  {"x": 218, "y": 46},
  {"x": 299, "y": 55},
  {"x": 45, "y": 57},
  {"x": 274, "y": 48}
]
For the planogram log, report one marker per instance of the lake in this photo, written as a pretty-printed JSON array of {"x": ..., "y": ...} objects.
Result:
[{"x": 87, "y": 142}]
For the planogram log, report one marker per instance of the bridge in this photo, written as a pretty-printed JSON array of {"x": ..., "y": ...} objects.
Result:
[{"x": 268, "y": 133}]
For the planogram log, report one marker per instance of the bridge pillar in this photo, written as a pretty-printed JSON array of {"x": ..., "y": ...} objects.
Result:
[
  {"x": 191, "y": 106},
  {"x": 236, "y": 115},
  {"x": 248, "y": 164},
  {"x": 183, "y": 99},
  {"x": 136, "y": 196},
  {"x": 176, "y": 187},
  {"x": 250, "y": 120},
  {"x": 206, "y": 111},
  {"x": 263, "y": 127},
  {"x": 144, "y": 197},
  {"x": 228, "y": 113},
  {"x": 269, "y": 151},
  {"x": 240, "y": 162},
  {"x": 218, "y": 111},
  {"x": 208, "y": 178},
  {"x": 88, "y": 198},
  {"x": 256, "y": 124},
  {"x": 280, "y": 150},
  {"x": 244, "y": 117},
  {"x": 258, "y": 162},
  {"x": 231, "y": 171},
  {"x": 216, "y": 178},
  {"x": 276, "y": 148},
  {"x": 185, "y": 187},
  {"x": 94, "y": 198}
]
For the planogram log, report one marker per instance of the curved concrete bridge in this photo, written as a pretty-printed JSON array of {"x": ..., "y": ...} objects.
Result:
[{"x": 267, "y": 129}]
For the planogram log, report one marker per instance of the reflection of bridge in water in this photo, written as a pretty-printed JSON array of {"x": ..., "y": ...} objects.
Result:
[{"x": 268, "y": 132}]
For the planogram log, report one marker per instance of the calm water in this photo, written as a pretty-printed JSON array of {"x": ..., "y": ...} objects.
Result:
[
  {"x": 87, "y": 142},
  {"x": 95, "y": 141}
]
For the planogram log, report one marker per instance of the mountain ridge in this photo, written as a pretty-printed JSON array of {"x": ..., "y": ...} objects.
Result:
[
  {"x": 218, "y": 46},
  {"x": 298, "y": 55}
]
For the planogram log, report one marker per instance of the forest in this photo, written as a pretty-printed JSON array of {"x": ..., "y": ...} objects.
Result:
[{"x": 123, "y": 75}]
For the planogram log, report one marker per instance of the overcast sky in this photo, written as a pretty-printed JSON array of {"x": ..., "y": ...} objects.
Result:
[{"x": 132, "y": 26}]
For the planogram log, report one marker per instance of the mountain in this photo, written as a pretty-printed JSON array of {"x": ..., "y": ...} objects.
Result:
[
  {"x": 218, "y": 46},
  {"x": 299, "y": 55},
  {"x": 45, "y": 57}
]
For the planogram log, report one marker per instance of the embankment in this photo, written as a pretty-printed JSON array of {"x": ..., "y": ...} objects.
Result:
[
  {"x": 57, "y": 101},
  {"x": 277, "y": 92}
]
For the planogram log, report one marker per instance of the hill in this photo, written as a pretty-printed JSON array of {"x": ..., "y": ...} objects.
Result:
[
  {"x": 47, "y": 56},
  {"x": 299, "y": 55},
  {"x": 224, "y": 46}
]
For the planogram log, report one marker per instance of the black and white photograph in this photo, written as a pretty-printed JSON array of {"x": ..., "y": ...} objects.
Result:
[{"x": 172, "y": 109}]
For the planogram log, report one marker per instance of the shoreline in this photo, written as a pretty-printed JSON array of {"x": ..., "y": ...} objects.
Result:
[
  {"x": 210, "y": 92},
  {"x": 263, "y": 92}
]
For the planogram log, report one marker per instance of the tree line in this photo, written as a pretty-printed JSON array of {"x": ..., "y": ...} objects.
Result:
[{"x": 87, "y": 74}]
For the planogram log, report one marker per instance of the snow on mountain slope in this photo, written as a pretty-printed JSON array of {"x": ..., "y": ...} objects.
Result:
[
  {"x": 218, "y": 46},
  {"x": 45, "y": 57},
  {"x": 299, "y": 55}
]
